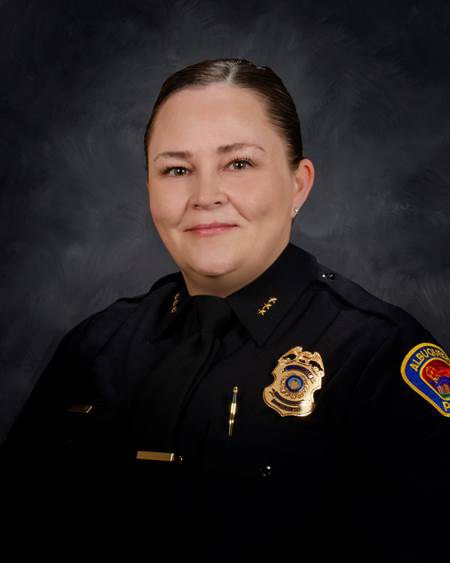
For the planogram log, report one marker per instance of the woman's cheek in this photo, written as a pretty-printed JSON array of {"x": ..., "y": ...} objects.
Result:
[
  {"x": 250, "y": 201},
  {"x": 163, "y": 210}
]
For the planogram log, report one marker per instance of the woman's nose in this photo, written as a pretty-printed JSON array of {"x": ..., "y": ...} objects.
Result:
[{"x": 207, "y": 190}]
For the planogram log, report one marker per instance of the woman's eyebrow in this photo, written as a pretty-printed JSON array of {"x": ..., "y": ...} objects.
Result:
[{"x": 220, "y": 150}]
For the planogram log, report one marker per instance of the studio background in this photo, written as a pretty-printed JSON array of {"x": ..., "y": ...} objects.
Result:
[{"x": 371, "y": 85}]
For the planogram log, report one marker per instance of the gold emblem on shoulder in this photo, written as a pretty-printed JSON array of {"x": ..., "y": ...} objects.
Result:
[
  {"x": 267, "y": 306},
  {"x": 297, "y": 375}
]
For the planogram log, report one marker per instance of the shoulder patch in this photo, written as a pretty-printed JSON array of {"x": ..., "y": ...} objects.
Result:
[{"x": 426, "y": 369}]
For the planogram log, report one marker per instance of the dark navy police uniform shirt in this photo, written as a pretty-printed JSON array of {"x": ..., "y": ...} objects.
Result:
[{"x": 340, "y": 440}]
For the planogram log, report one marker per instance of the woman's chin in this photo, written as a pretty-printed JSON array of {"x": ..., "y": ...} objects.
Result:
[
  {"x": 211, "y": 272},
  {"x": 212, "y": 266}
]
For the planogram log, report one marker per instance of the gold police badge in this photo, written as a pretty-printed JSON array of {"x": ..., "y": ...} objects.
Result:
[{"x": 297, "y": 376}]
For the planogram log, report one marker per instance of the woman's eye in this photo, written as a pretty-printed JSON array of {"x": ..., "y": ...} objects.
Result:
[
  {"x": 243, "y": 160},
  {"x": 167, "y": 170},
  {"x": 246, "y": 161}
]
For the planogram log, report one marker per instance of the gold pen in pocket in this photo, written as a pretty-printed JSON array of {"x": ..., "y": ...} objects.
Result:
[{"x": 233, "y": 408}]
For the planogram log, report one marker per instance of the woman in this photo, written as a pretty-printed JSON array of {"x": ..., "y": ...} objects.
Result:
[{"x": 296, "y": 412}]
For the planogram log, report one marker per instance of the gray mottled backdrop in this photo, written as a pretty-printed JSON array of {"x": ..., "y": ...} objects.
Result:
[{"x": 78, "y": 79}]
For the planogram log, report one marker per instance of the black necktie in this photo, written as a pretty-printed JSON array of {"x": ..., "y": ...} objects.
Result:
[{"x": 166, "y": 390}]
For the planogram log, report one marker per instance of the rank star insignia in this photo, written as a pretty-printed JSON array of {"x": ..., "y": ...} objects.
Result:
[
  {"x": 175, "y": 302},
  {"x": 297, "y": 375},
  {"x": 263, "y": 310}
]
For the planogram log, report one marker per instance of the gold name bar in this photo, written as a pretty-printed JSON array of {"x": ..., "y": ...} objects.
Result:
[
  {"x": 83, "y": 409},
  {"x": 158, "y": 456}
]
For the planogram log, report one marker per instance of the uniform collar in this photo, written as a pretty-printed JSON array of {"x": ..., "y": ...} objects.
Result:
[{"x": 261, "y": 304}]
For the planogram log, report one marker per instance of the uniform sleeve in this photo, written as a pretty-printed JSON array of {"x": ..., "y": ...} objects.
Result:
[
  {"x": 399, "y": 438},
  {"x": 38, "y": 433},
  {"x": 46, "y": 486}
]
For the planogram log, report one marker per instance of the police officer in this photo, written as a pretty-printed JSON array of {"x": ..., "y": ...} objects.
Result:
[{"x": 255, "y": 403}]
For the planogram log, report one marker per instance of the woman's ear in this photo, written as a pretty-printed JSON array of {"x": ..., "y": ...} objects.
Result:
[{"x": 302, "y": 182}]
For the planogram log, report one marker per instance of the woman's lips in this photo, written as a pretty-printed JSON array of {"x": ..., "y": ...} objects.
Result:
[{"x": 208, "y": 231}]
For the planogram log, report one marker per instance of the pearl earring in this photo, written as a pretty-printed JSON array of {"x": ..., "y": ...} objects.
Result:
[{"x": 296, "y": 210}]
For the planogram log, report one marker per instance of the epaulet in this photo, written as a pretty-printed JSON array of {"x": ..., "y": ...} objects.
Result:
[{"x": 354, "y": 295}]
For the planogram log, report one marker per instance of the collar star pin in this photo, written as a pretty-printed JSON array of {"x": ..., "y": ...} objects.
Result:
[
  {"x": 297, "y": 375},
  {"x": 176, "y": 299},
  {"x": 263, "y": 310}
]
